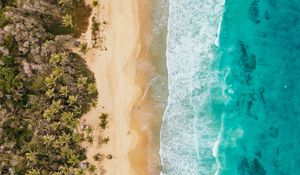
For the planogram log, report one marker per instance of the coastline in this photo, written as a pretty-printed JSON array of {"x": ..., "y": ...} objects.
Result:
[
  {"x": 138, "y": 155},
  {"x": 120, "y": 89},
  {"x": 152, "y": 80}
]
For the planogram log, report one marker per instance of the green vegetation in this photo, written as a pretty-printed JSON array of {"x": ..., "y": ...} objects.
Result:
[
  {"x": 44, "y": 90},
  {"x": 3, "y": 20},
  {"x": 95, "y": 31},
  {"x": 83, "y": 47},
  {"x": 103, "y": 121},
  {"x": 95, "y": 3},
  {"x": 67, "y": 21},
  {"x": 98, "y": 157},
  {"x": 73, "y": 21},
  {"x": 105, "y": 140},
  {"x": 92, "y": 168}
]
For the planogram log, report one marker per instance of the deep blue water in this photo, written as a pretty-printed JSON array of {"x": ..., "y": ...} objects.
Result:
[{"x": 234, "y": 104}]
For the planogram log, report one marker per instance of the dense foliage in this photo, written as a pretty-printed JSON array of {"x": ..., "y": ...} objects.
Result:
[{"x": 44, "y": 89}]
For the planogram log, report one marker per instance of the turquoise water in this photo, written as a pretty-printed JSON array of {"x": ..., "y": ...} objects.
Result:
[
  {"x": 234, "y": 98},
  {"x": 260, "y": 52}
]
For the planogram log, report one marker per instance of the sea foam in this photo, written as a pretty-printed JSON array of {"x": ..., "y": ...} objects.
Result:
[{"x": 190, "y": 127}]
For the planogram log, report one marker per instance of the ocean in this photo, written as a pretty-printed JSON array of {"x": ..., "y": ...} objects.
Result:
[{"x": 234, "y": 88}]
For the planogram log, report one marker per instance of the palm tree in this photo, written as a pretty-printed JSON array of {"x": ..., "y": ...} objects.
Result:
[
  {"x": 103, "y": 121},
  {"x": 33, "y": 172},
  {"x": 103, "y": 116},
  {"x": 92, "y": 168},
  {"x": 64, "y": 139},
  {"x": 65, "y": 170},
  {"x": 78, "y": 137},
  {"x": 31, "y": 156},
  {"x": 54, "y": 59},
  {"x": 72, "y": 159},
  {"x": 95, "y": 3},
  {"x": 50, "y": 93},
  {"x": 49, "y": 114},
  {"x": 92, "y": 89},
  {"x": 83, "y": 47},
  {"x": 50, "y": 81},
  {"x": 77, "y": 110},
  {"x": 57, "y": 72},
  {"x": 63, "y": 58},
  {"x": 48, "y": 140},
  {"x": 89, "y": 130},
  {"x": 81, "y": 81},
  {"x": 105, "y": 140},
  {"x": 103, "y": 125},
  {"x": 68, "y": 120},
  {"x": 90, "y": 139},
  {"x": 56, "y": 106},
  {"x": 64, "y": 90},
  {"x": 54, "y": 125},
  {"x": 65, "y": 2},
  {"x": 67, "y": 117},
  {"x": 72, "y": 99},
  {"x": 79, "y": 172},
  {"x": 67, "y": 20},
  {"x": 97, "y": 157},
  {"x": 94, "y": 102}
]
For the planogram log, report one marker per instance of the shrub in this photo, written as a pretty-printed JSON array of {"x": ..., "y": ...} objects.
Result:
[{"x": 95, "y": 3}]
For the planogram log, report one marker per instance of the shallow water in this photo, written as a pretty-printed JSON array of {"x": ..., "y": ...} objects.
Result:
[
  {"x": 233, "y": 106},
  {"x": 260, "y": 52},
  {"x": 153, "y": 72}
]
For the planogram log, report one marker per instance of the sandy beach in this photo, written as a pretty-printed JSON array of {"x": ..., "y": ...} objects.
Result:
[{"x": 114, "y": 64}]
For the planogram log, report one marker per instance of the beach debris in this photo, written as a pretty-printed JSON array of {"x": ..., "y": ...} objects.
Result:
[
  {"x": 109, "y": 156},
  {"x": 84, "y": 165},
  {"x": 76, "y": 43},
  {"x": 83, "y": 127}
]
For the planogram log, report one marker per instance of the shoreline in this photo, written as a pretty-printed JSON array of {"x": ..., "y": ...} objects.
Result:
[
  {"x": 138, "y": 155},
  {"x": 152, "y": 79}
]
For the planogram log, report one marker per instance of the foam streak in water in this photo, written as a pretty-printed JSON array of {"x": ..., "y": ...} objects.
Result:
[{"x": 189, "y": 128}]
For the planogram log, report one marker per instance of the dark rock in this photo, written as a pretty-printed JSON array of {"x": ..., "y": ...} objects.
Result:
[
  {"x": 257, "y": 168},
  {"x": 254, "y": 12},
  {"x": 243, "y": 167}
]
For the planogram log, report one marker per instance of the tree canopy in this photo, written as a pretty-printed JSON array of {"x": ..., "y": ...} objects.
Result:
[{"x": 44, "y": 90}]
